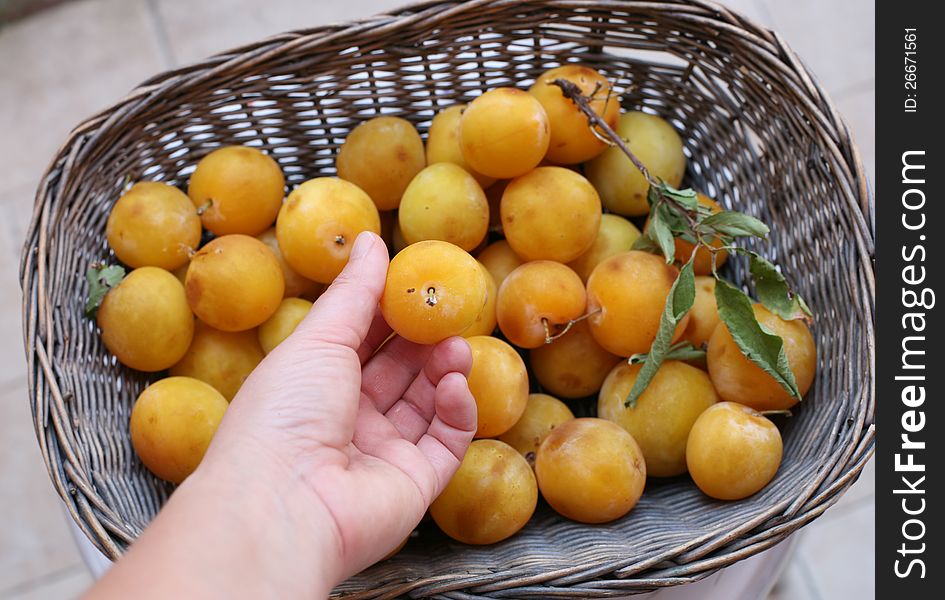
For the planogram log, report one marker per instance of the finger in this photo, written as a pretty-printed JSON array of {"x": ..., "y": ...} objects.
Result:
[
  {"x": 452, "y": 429},
  {"x": 450, "y": 355},
  {"x": 344, "y": 313},
  {"x": 376, "y": 336},
  {"x": 388, "y": 374}
]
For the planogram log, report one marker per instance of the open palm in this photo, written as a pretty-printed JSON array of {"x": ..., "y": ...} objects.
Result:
[{"x": 373, "y": 435}]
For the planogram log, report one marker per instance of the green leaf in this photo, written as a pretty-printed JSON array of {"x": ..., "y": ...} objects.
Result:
[
  {"x": 101, "y": 278},
  {"x": 686, "y": 197},
  {"x": 760, "y": 347},
  {"x": 662, "y": 235},
  {"x": 774, "y": 292},
  {"x": 678, "y": 302},
  {"x": 646, "y": 244},
  {"x": 735, "y": 224},
  {"x": 678, "y": 351}
]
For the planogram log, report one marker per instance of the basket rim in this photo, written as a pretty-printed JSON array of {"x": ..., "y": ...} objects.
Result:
[{"x": 52, "y": 425}]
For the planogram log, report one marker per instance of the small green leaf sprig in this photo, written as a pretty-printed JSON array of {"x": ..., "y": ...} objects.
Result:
[
  {"x": 101, "y": 278},
  {"x": 678, "y": 214}
]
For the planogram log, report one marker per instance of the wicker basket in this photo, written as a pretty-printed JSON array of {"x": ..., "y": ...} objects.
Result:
[{"x": 760, "y": 134}]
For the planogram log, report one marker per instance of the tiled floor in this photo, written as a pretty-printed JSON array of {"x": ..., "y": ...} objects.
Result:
[{"x": 58, "y": 67}]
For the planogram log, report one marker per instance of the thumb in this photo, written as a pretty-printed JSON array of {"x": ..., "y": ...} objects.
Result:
[{"x": 343, "y": 314}]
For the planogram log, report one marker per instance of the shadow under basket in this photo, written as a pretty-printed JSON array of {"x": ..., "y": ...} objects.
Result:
[{"x": 760, "y": 134}]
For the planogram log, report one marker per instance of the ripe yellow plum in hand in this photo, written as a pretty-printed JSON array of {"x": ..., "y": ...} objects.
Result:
[
  {"x": 434, "y": 290},
  {"x": 486, "y": 321}
]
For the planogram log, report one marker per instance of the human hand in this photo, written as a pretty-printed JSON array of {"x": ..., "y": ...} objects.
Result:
[{"x": 362, "y": 441}]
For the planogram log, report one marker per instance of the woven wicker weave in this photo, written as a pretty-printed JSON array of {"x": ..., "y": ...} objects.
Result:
[{"x": 761, "y": 135}]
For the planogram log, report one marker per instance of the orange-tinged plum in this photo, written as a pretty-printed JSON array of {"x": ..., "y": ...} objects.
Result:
[
  {"x": 153, "y": 224},
  {"x": 237, "y": 189},
  {"x": 491, "y": 496},
  {"x": 282, "y": 323},
  {"x": 574, "y": 365},
  {"x": 737, "y": 379},
  {"x": 537, "y": 300},
  {"x": 434, "y": 290},
  {"x": 223, "y": 359},
  {"x": 318, "y": 224},
  {"x": 486, "y": 321},
  {"x": 622, "y": 187},
  {"x": 500, "y": 260},
  {"x": 542, "y": 414},
  {"x": 234, "y": 283},
  {"x": 172, "y": 423},
  {"x": 704, "y": 314},
  {"x": 733, "y": 451},
  {"x": 504, "y": 133},
  {"x": 145, "y": 320},
  {"x": 443, "y": 142},
  {"x": 444, "y": 202},
  {"x": 615, "y": 235},
  {"x": 499, "y": 383},
  {"x": 663, "y": 415},
  {"x": 381, "y": 156},
  {"x": 572, "y": 140},
  {"x": 626, "y": 295},
  {"x": 551, "y": 213},
  {"x": 296, "y": 286},
  {"x": 590, "y": 470}
]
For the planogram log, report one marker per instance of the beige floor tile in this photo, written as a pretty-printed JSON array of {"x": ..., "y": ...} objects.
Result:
[
  {"x": 840, "y": 553},
  {"x": 35, "y": 540},
  {"x": 12, "y": 361},
  {"x": 834, "y": 38},
  {"x": 68, "y": 584},
  {"x": 196, "y": 30},
  {"x": 61, "y": 66}
]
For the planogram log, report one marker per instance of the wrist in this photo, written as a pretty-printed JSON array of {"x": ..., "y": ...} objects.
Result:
[{"x": 285, "y": 534}]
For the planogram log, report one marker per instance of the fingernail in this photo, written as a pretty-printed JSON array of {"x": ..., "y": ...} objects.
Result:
[{"x": 361, "y": 245}]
